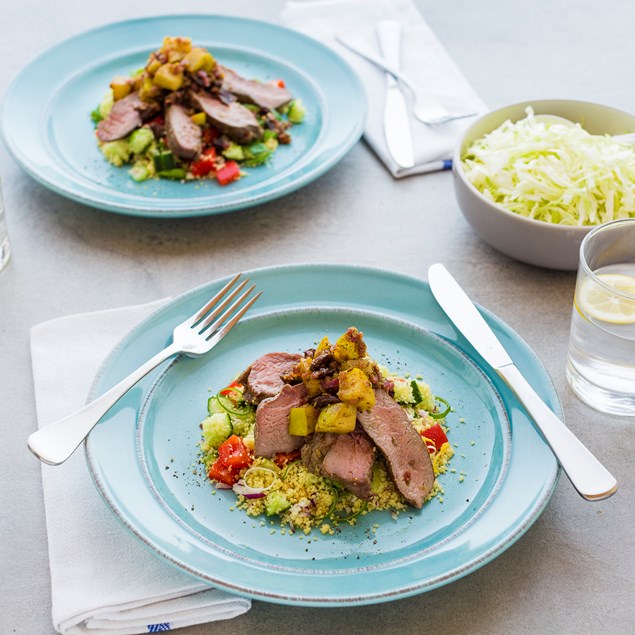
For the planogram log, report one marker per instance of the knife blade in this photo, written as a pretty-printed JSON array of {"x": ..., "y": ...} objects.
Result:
[
  {"x": 589, "y": 477},
  {"x": 396, "y": 116}
]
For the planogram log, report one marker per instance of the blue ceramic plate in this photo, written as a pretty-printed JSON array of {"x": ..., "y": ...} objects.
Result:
[
  {"x": 47, "y": 127},
  {"x": 143, "y": 457}
]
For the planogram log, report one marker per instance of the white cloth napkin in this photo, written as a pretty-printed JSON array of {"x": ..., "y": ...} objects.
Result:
[
  {"x": 423, "y": 59},
  {"x": 102, "y": 578}
]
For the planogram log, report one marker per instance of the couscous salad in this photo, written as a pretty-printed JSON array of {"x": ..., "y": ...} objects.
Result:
[
  {"x": 184, "y": 116},
  {"x": 323, "y": 437}
]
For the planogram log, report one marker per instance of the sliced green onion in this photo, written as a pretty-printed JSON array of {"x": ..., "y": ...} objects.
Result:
[
  {"x": 287, "y": 468},
  {"x": 336, "y": 498},
  {"x": 441, "y": 415},
  {"x": 228, "y": 404}
]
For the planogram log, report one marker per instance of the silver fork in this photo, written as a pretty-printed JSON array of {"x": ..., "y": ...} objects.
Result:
[
  {"x": 195, "y": 336},
  {"x": 427, "y": 108}
]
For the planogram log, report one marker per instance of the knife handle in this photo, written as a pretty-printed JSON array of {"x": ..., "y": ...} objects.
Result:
[
  {"x": 389, "y": 36},
  {"x": 589, "y": 477}
]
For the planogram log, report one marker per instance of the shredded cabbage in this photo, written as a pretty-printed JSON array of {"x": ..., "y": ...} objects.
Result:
[{"x": 554, "y": 172}]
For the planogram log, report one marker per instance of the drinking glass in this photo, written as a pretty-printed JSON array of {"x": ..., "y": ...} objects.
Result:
[
  {"x": 5, "y": 250},
  {"x": 601, "y": 359}
]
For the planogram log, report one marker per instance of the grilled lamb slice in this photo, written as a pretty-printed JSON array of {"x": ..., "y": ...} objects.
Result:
[
  {"x": 407, "y": 457},
  {"x": 271, "y": 432},
  {"x": 316, "y": 448},
  {"x": 126, "y": 115},
  {"x": 233, "y": 119},
  {"x": 349, "y": 462},
  {"x": 264, "y": 378},
  {"x": 253, "y": 92},
  {"x": 183, "y": 136}
]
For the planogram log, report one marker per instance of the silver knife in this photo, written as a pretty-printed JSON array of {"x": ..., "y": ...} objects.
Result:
[
  {"x": 589, "y": 477},
  {"x": 396, "y": 116}
]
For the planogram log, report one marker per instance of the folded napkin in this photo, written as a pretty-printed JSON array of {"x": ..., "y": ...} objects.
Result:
[
  {"x": 102, "y": 579},
  {"x": 423, "y": 59}
]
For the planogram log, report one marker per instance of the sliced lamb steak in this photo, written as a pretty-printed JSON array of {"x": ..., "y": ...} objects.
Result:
[
  {"x": 316, "y": 448},
  {"x": 264, "y": 378},
  {"x": 233, "y": 119},
  {"x": 406, "y": 454},
  {"x": 253, "y": 92},
  {"x": 183, "y": 136},
  {"x": 346, "y": 458},
  {"x": 350, "y": 463},
  {"x": 126, "y": 115},
  {"x": 271, "y": 432}
]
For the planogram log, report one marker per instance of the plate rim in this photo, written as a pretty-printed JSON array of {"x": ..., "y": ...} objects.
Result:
[
  {"x": 500, "y": 545},
  {"x": 315, "y": 168}
]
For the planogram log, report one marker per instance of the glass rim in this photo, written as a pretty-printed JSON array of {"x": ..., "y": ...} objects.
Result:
[{"x": 584, "y": 265}]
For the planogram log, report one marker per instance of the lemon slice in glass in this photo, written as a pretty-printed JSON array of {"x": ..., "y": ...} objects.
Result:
[{"x": 599, "y": 303}]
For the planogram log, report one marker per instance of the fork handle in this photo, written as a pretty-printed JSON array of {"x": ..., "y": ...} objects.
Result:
[{"x": 57, "y": 441}]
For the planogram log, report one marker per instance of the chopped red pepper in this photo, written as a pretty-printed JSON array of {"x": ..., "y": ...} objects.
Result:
[
  {"x": 228, "y": 173},
  {"x": 436, "y": 434},
  {"x": 280, "y": 83},
  {"x": 222, "y": 473},
  {"x": 282, "y": 458},
  {"x": 205, "y": 164},
  {"x": 234, "y": 453}
]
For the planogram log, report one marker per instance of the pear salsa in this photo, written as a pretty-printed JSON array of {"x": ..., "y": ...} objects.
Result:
[
  {"x": 184, "y": 116},
  {"x": 321, "y": 438}
]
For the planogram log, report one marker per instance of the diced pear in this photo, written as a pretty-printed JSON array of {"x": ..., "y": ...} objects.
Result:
[
  {"x": 176, "y": 48},
  {"x": 356, "y": 389},
  {"x": 169, "y": 76},
  {"x": 200, "y": 118},
  {"x": 120, "y": 87},
  {"x": 302, "y": 420},
  {"x": 323, "y": 345},
  {"x": 338, "y": 417},
  {"x": 153, "y": 65},
  {"x": 349, "y": 346},
  {"x": 147, "y": 89},
  {"x": 199, "y": 59}
]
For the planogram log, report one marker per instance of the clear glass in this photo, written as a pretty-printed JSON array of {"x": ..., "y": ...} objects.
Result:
[
  {"x": 5, "y": 249},
  {"x": 601, "y": 359}
]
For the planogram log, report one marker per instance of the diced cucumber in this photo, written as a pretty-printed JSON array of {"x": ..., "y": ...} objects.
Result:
[
  {"x": 140, "y": 139},
  {"x": 216, "y": 428},
  {"x": 234, "y": 152},
  {"x": 276, "y": 503},
  {"x": 297, "y": 111},
  {"x": 139, "y": 172},
  {"x": 164, "y": 161},
  {"x": 213, "y": 405}
]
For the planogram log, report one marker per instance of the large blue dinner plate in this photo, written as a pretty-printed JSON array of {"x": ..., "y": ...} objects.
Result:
[
  {"x": 47, "y": 127},
  {"x": 143, "y": 455}
]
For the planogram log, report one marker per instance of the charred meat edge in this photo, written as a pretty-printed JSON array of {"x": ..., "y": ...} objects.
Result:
[
  {"x": 407, "y": 457},
  {"x": 126, "y": 115},
  {"x": 254, "y": 92},
  {"x": 233, "y": 119},
  {"x": 271, "y": 432},
  {"x": 183, "y": 136}
]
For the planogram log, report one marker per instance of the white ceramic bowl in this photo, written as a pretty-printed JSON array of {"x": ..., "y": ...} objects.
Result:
[{"x": 531, "y": 241}]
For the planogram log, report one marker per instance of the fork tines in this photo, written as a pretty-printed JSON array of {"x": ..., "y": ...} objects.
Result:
[{"x": 208, "y": 324}]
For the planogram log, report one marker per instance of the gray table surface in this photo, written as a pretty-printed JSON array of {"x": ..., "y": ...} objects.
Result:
[{"x": 573, "y": 572}]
